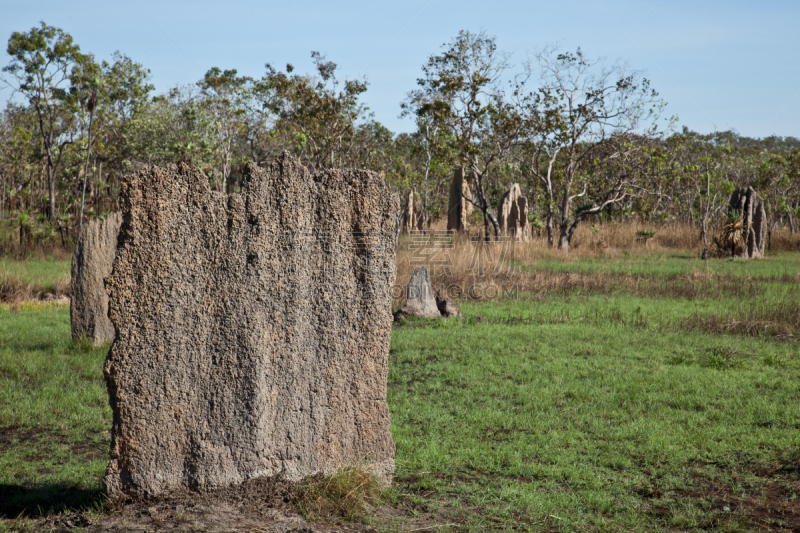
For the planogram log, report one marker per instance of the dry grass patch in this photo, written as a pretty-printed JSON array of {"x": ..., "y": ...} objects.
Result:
[
  {"x": 352, "y": 493},
  {"x": 13, "y": 290},
  {"x": 774, "y": 319},
  {"x": 494, "y": 273}
]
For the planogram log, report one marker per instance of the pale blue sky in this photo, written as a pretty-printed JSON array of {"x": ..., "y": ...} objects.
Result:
[{"x": 719, "y": 64}]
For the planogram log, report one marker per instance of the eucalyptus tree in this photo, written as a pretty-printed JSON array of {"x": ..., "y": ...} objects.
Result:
[
  {"x": 124, "y": 96},
  {"x": 163, "y": 131},
  {"x": 793, "y": 194},
  {"x": 536, "y": 148},
  {"x": 581, "y": 116},
  {"x": 42, "y": 61},
  {"x": 110, "y": 95},
  {"x": 318, "y": 115},
  {"x": 776, "y": 179},
  {"x": 429, "y": 156},
  {"x": 20, "y": 156},
  {"x": 459, "y": 93},
  {"x": 86, "y": 79},
  {"x": 224, "y": 97},
  {"x": 707, "y": 170}
]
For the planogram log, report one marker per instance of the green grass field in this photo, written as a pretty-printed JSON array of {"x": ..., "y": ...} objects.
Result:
[
  {"x": 44, "y": 275},
  {"x": 679, "y": 263},
  {"x": 649, "y": 407}
]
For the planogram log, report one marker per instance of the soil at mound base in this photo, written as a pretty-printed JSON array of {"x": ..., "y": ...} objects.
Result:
[
  {"x": 263, "y": 505},
  {"x": 256, "y": 505}
]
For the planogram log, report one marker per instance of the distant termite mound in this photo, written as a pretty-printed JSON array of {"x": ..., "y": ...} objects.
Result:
[
  {"x": 459, "y": 207},
  {"x": 413, "y": 217},
  {"x": 92, "y": 260},
  {"x": 512, "y": 214},
  {"x": 750, "y": 207}
]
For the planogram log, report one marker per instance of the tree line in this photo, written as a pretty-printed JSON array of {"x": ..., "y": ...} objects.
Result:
[{"x": 583, "y": 137}]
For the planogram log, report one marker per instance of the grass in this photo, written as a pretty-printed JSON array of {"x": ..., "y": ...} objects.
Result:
[
  {"x": 40, "y": 273},
  {"x": 54, "y": 414},
  {"x": 779, "y": 266},
  {"x": 578, "y": 420},
  {"x": 647, "y": 391},
  {"x": 352, "y": 494},
  {"x": 33, "y": 278}
]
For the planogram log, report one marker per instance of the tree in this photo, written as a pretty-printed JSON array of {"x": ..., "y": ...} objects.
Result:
[
  {"x": 429, "y": 157},
  {"x": 224, "y": 98},
  {"x": 318, "y": 116},
  {"x": 125, "y": 95},
  {"x": 459, "y": 93},
  {"x": 19, "y": 155},
  {"x": 86, "y": 79},
  {"x": 41, "y": 64},
  {"x": 581, "y": 119}
]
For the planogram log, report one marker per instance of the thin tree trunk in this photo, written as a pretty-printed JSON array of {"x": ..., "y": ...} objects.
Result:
[
  {"x": 51, "y": 178},
  {"x": 704, "y": 223},
  {"x": 98, "y": 199},
  {"x": 488, "y": 217},
  {"x": 86, "y": 169},
  {"x": 565, "y": 235}
]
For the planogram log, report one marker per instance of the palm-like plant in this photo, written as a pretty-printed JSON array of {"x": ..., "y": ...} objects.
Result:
[
  {"x": 733, "y": 231},
  {"x": 24, "y": 227}
]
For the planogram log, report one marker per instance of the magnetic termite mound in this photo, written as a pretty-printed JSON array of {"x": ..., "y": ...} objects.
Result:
[
  {"x": 92, "y": 260},
  {"x": 252, "y": 329}
]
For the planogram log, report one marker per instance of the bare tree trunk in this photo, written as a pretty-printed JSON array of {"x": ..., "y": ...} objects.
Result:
[
  {"x": 98, "y": 199},
  {"x": 86, "y": 170},
  {"x": 703, "y": 234},
  {"x": 397, "y": 230},
  {"x": 550, "y": 228},
  {"x": 488, "y": 217},
  {"x": 51, "y": 178},
  {"x": 565, "y": 237},
  {"x": 704, "y": 222}
]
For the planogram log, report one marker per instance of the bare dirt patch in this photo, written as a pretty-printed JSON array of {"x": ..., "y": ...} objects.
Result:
[
  {"x": 757, "y": 498},
  {"x": 264, "y": 505}
]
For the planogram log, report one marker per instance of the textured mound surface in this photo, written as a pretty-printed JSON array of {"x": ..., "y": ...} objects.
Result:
[
  {"x": 253, "y": 329},
  {"x": 413, "y": 216},
  {"x": 420, "y": 299},
  {"x": 750, "y": 207},
  {"x": 459, "y": 208},
  {"x": 91, "y": 263},
  {"x": 512, "y": 214}
]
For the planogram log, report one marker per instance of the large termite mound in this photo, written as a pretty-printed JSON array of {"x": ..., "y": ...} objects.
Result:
[{"x": 252, "y": 329}]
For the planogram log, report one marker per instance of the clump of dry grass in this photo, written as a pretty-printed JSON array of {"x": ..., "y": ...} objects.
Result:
[
  {"x": 351, "y": 493},
  {"x": 9, "y": 247},
  {"x": 784, "y": 242},
  {"x": 776, "y": 319},
  {"x": 13, "y": 290},
  {"x": 465, "y": 269}
]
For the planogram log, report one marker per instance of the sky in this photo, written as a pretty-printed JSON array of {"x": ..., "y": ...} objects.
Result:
[{"x": 719, "y": 65}]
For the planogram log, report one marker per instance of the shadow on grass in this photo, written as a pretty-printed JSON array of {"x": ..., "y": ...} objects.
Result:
[{"x": 41, "y": 500}]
